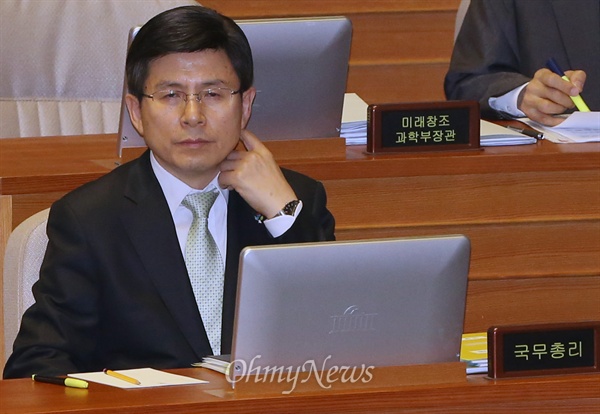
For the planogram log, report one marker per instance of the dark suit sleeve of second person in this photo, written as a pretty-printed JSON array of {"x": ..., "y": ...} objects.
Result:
[{"x": 485, "y": 59}]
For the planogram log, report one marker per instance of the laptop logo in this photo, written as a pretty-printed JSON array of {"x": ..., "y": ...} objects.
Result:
[{"x": 352, "y": 320}]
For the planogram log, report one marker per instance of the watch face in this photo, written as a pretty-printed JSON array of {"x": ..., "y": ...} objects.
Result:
[{"x": 290, "y": 208}]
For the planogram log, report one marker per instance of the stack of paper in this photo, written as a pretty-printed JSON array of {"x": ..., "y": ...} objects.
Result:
[
  {"x": 219, "y": 363},
  {"x": 473, "y": 351},
  {"x": 354, "y": 120},
  {"x": 495, "y": 135},
  {"x": 578, "y": 127}
]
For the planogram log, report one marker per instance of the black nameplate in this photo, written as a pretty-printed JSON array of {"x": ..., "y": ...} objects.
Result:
[
  {"x": 423, "y": 126},
  {"x": 534, "y": 350}
]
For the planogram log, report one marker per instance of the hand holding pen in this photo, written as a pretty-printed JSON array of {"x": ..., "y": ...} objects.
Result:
[
  {"x": 577, "y": 100},
  {"x": 547, "y": 95}
]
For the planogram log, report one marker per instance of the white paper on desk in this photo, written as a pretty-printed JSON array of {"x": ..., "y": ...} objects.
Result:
[
  {"x": 148, "y": 377},
  {"x": 493, "y": 135},
  {"x": 578, "y": 127}
]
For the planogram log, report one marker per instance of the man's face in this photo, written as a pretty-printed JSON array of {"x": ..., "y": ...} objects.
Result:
[{"x": 191, "y": 139}]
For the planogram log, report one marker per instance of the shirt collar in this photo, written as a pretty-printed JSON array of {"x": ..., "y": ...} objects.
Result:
[{"x": 175, "y": 190}]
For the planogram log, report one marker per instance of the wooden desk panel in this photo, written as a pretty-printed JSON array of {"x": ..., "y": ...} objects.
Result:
[
  {"x": 567, "y": 394},
  {"x": 467, "y": 199},
  {"x": 49, "y": 164},
  {"x": 518, "y": 222},
  {"x": 532, "y": 212},
  {"x": 275, "y": 8},
  {"x": 516, "y": 301},
  {"x": 372, "y": 83},
  {"x": 513, "y": 250}
]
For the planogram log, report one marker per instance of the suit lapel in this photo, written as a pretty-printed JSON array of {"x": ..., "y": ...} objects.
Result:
[{"x": 147, "y": 220}]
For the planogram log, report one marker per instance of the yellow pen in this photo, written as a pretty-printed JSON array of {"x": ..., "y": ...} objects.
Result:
[
  {"x": 577, "y": 100},
  {"x": 121, "y": 376}
]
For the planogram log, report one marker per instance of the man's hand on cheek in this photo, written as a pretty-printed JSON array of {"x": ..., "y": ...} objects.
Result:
[{"x": 255, "y": 175}]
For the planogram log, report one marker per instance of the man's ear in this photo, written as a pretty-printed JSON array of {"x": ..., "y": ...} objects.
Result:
[
  {"x": 247, "y": 101},
  {"x": 135, "y": 113}
]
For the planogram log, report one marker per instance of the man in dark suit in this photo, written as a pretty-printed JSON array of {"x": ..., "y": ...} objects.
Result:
[
  {"x": 114, "y": 290},
  {"x": 501, "y": 51}
]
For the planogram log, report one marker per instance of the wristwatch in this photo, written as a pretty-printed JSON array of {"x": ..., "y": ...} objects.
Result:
[{"x": 289, "y": 209}]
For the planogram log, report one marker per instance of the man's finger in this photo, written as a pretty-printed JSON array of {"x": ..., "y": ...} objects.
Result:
[{"x": 250, "y": 141}]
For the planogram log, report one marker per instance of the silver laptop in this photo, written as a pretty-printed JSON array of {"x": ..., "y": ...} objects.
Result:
[
  {"x": 300, "y": 73},
  {"x": 386, "y": 302}
]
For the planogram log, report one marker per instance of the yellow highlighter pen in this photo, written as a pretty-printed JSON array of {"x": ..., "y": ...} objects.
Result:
[
  {"x": 67, "y": 382},
  {"x": 577, "y": 100}
]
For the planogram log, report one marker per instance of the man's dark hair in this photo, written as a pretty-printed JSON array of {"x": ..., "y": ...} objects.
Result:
[{"x": 184, "y": 30}]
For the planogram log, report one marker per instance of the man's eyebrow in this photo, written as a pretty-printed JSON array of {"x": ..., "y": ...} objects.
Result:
[
  {"x": 180, "y": 86},
  {"x": 168, "y": 85}
]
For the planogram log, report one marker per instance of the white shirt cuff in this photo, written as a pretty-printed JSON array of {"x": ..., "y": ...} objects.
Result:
[
  {"x": 280, "y": 224},
  {"x": 507, "y": 103}
]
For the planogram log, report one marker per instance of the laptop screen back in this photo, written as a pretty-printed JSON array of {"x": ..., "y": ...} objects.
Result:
[
  {"x": 386, "y": 302},
  {"x": 300, "y": 73}
]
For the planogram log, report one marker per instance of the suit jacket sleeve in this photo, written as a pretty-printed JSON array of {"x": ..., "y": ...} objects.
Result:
[
  {"x": 502, "y": 43},
  {"x": 315, "y": 222},
  {"x": 61, "y": 328},
  {"x": 485, "y": 57}
]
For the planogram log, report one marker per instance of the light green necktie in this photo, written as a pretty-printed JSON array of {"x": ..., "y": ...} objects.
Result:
[{"x": 205, "y": 266}]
